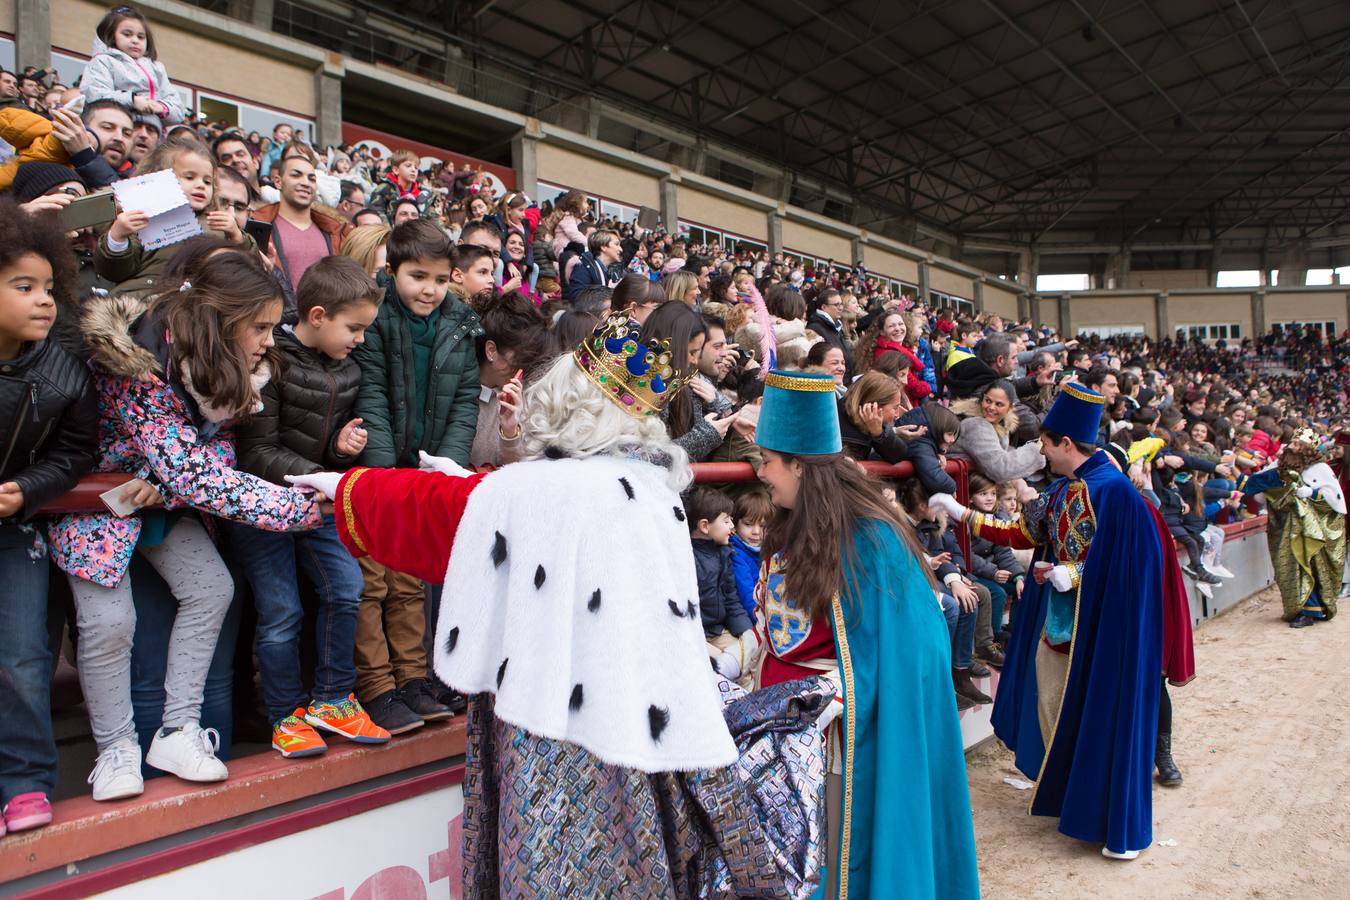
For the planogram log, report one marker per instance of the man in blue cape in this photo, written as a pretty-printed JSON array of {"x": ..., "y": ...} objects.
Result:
[{"x": 1078, "y": 701}]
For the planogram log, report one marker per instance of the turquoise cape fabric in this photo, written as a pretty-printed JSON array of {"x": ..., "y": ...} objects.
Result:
[
  {"x": 1098, "y": 772},
  {"x": 911, "y": 832}
]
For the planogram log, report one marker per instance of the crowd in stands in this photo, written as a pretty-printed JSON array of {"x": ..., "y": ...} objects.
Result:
[{"x": 342, "y": 309}]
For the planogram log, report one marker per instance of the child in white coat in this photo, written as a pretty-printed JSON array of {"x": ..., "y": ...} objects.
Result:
[{"x": 126, "y": 68}]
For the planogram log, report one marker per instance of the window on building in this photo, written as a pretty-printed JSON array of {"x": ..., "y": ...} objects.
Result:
[
  {"x": 1228, "y": 331},
  {"x": 1320, "y": 276},
  {"x": 1326, "y": 326},
  {"x": 548, "y": 193},
  {"x": 248, "y": 117},
  {"x": 1132, "y": 330},
  {"x": 1240, "y": 278},
  {"x": 619, "y": 211},
  {"x": 1051, "y": 283}
]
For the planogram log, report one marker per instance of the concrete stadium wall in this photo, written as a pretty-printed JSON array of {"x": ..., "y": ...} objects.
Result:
[
  {"x": 1001, "y": 301},
  {"x": 1212, "y": 307},
  {"x": 818, "y": 242},
  {"x": 890, "y": 264},
  {"x": 1116, "y": 308},
  {"x": 7, "y": 16},
  {"x": 950, "y": 282},
  {"x": 1306, "y": 305},
  {"x": 1167, "y": 279},
  {"x": 722, "y": 213},
  {"x": 196, "y": 58},
  {"x": 562, "y": 165}
]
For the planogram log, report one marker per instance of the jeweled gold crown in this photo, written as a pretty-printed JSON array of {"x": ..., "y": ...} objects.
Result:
[{"x": 640, "y": 378}]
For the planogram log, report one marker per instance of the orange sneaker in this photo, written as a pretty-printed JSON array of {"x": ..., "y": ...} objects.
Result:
[
  {"x": 347, "y": 718},
  {"x": 292, "y": 737}
]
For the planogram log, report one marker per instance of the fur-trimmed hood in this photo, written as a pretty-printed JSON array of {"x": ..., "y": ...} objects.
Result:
[
  {"x": 110, "y": 327},
  {"x": 970, "y": 408}
]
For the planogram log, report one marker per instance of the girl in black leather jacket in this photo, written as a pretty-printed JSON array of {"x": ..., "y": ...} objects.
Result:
[{"x": 50, "y": 425}]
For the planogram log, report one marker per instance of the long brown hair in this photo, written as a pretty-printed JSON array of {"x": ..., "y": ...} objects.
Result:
[
  {"x": 225, "y": 292},
  {"x": 817, "y": 534},
  {"x": 873, "y": 387},
  {"x": 866, "y": 349}
]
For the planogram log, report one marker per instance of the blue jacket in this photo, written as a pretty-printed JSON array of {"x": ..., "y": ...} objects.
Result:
[
  {"x": 745, "y": 566},
  {"x": 926, "y": 357},
  {"x": 588, "y": 272},
  {"x": 923, "y": 455},
  {"x": 718, "y": 604}
]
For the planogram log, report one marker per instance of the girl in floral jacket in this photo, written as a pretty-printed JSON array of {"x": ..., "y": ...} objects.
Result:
[{"x": 170, "y": 378}]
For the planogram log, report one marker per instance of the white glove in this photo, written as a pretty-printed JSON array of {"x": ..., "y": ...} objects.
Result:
[
  {"x": 325, "y": 483},
  {"x": 1060, "y": 579},
  {"x": 727, "y": 666},
  {"x": 1304, "y": 491},
  {"x": 443, "y": 464},
  {"x": 835, "y": 708},
  {"x": 949, "y": 504}
]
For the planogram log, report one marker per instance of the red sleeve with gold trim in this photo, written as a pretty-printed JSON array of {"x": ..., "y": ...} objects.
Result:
[
  {"x": 1004, "y": 533},
  {"x": 402, "y": 518}
]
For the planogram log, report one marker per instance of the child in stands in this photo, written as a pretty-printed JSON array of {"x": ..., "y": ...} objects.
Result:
[
  {"x": 752, "y": 512},
  {"x": 126, "y": 68},
  {"x": 305, "y": 426},
  {"x": 993, "y": 566},
  {"x": 47, "y": 398},
  {"x": 419, "y": 393},
  {"x": 119, "y": 256},
  {"x": 728, "y": 628},
  {"x": 171, "y": 378},
  {"x": 939, "y": 544}
]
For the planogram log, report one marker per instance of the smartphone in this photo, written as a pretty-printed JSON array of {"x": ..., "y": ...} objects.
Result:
[
  {"x": 76, "y": 105},
  {"x": 93, "y": 209},
  {"x": 261, "y": 233}
]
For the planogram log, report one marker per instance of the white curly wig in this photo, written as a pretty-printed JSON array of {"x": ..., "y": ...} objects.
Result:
[{"x": 564, "y": 411}]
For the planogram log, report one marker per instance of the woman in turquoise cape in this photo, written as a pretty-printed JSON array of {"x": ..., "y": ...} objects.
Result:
[{"x": 847, "y": 561}]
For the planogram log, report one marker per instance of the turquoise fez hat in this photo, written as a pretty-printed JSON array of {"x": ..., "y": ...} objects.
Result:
[
  {"x": 799, "y": 415},
  {"x": 1076, "y": 413}
]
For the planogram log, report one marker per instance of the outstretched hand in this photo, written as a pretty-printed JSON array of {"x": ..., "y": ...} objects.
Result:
[
  {"x": 443, "y": 464},
  {"x": 325, "y": 483}
]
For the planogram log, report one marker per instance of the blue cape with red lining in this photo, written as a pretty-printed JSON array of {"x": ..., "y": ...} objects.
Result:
[{"x": 1097, "y": 775}]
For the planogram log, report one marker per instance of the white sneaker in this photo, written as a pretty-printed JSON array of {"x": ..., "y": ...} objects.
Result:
[
  {"x": 1222, "y": 571},
  {"x": 189, "y": 753},
  {"x": 1127, "y": 855},
  {"x": 117, "y": 774}
]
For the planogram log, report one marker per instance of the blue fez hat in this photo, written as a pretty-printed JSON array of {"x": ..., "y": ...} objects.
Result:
[
  {"x": 799, "y": 415},
  {"x": 1076, "y": 413}
]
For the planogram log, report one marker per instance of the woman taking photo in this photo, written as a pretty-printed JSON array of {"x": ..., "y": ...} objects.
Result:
[{"x": 844, "y": 594}]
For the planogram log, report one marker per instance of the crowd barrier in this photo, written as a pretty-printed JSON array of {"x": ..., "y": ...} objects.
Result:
[{"x": 401, "y": 804}]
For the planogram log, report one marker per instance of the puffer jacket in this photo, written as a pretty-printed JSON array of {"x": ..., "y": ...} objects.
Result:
[
  {"x": 719, "y": 605},
  {"x": 985, "y": 445},
  {"x": 305, "y": 406},
  {"x": 31, "y": 137},
  {"x": 136, "y": 270},
  {"x": 986, "y": 558},
  {"x": 112, "y": 75},
  {"x": 50, "y": 418},
  {"x": 387, "y": 398},
  {"x": 150, "y": 427}
]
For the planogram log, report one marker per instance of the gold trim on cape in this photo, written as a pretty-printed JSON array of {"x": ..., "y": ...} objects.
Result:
[
  {"x": 845, "y": 670},
  {"x": 348, "y": 515}
]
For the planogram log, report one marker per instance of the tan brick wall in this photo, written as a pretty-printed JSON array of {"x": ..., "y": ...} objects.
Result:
[
  {"x": 1168, "y": 279},
  {"x": 999, "y": 301},
  {"x": 1206, "y": 309},
  {"x": 892, "y": 265},
  {"x": 1319, "y": 306},
  {"x": 951, "y": 283},
  {"x": 803, "y": 238},
  {"x": 1121, "y": 308},
  {"x": 568, "y": 168},
  {"x": 718, "y": 212}
]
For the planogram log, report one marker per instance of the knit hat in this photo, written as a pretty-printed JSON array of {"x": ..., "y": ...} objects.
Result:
[{"x": 33, "y": 179}]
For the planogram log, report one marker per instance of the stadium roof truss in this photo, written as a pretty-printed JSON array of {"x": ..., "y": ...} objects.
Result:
[{"x": 986, "y": 119}]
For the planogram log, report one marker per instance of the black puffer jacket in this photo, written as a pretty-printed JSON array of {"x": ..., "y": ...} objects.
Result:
[
  {"x": 50, "y": 415},
  {"x": 304, "y": 409},
  {"x": 718, "y": 602}
]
